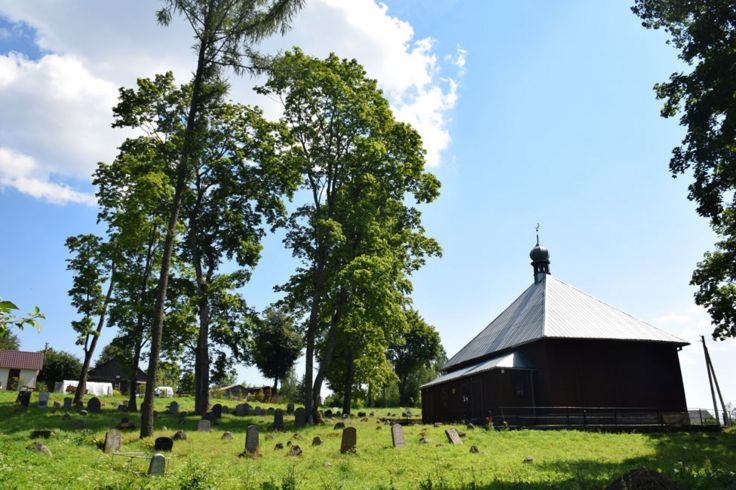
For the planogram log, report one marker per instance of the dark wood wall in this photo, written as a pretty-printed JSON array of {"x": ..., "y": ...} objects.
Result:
[{"x": 567, "y": 372}]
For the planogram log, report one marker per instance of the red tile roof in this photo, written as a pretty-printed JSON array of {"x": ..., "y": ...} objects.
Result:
[{"x": 14, "y": 359}]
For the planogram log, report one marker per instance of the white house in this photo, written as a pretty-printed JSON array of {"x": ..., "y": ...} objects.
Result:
[{"x": 19, "y": 369}]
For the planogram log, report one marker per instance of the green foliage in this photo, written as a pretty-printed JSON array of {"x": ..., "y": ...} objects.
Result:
[
  {"x": 8, "y": 318},
  {"x": 277, "y": 344},
  {"x": 705, "y": 99},
  {"x": 290, "y": 387},
  {"x": 9, "y": 341},
  {"x": 58, "y": 366}
]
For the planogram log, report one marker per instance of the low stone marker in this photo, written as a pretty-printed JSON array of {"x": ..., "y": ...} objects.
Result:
[
  {"x": 43, "y": 399},
  {"x": 93, "y": 405},
  {"x": 474, "y": 449},
  {"x": 300, "y": 417},
  {"x": 225, "y": 409},
  {"x": 163, "y": 444},
  {"x": 67, "y": 403},
  {"x": 453, "y": 436},
  {"x": 24, "y": 397},
  {"x": 174, "y": 408},
  {"x": 241, "y": 410},
  {"x": 339, "y": 426},
  {"x": 217, "y": 410},
  {"x": 349, "y": 440},
  {"x": 40, "y": 448},
  {"x": 44, "y": 433},
  {"x": 278, "y": 419},
  {"x": 317, "y": 441},
  {"x": 328, "y": 413},
  {"x": 295, "y": 450},
  {"x": 180, "y": 435},
  {"x": 113, "y": 441},
  {"x": 290, "y": 409},
  {"x": 203, "y": 426},
  {"x": 158, "y": 465},
  {"x": 259, "y": 411},
  {"x": 57, "y": 405},
  {"x": 397, "y": 435},
  {"x": 227, "y": 436},
  {"x": 251, "y": 441}
]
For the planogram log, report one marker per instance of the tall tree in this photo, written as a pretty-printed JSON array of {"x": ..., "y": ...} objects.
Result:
[
  {"x": 93, "y": 263},
  {"x": 419, "y": 346},
  {"x": 357, "y": 238},
  {"x": 705, "y": 98},
  {"x": 225, "y": 33},
  {"x": 58, "y": 366},
  {"x": 276, "y": 345}
]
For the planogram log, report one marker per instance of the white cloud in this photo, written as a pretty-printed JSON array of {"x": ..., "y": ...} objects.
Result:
[{"x": 57, "y": 109}]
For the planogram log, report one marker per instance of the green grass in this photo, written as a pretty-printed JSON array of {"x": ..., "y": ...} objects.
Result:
[{"x": 561, "y": 459}]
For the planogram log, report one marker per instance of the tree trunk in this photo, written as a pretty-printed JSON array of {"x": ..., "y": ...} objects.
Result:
[
  {"x": 347, "y": 389},
  {"x": 311, "y": 333},
  {"x": 168, "y": 250},
  {"x": 324, "y": 365},
  {"x": 133, "y": 390},
  {"x": 88, "y": 353},
  {"x": 202, "y": 361}
]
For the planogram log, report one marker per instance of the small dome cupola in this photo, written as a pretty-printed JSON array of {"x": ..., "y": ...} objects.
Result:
[{"x": 540, "y": 260}]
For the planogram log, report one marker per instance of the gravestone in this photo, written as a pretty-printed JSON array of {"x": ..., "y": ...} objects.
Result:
[
  {"x": 259, "y": 411},
  {"x": 43, "y": 399},
  {"x": 300, "y": 417},
  {"x": 93, "y": 405},
  {"x": 328, "y": 413},
  {"x": 113, "y": 439},
  {"x": 278, "y": 419},
  {"x": 339, "y": 426},
  {"x": 174, "y": 408},
  {"x": 251, "y": 440},
  {"x": 180, "y": 435},
  {"x": 270, "y": 410},
  {"x": 67, "y": 403},
  {"x": 158, "y": 465},
  {"x": 227, "y": 436},
  {"x": 57, "y": 405},
  {"x": 453, "y": 436},
  {"x": 210, "y": 416},
  {"x": 397, "y": 435},
  {"x": 163, "y": 444},
  {"x": 349, "y": 439},
  {"x": 24, "y": 397},
  {"x": 203, "y": 426},
  {"x": 241, "y": 410},
  {"x": 295, "y": 450},
  {"x": 225, "y": 409},
  {"x": 290, "y": 409},
  {"x": 362, "y": 414},
  {"x": 317, "y": 441},
  {"x": 217, "y": 411}
]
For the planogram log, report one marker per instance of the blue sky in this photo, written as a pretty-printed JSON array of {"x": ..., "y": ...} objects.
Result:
[{"x": 532, "y": 112}]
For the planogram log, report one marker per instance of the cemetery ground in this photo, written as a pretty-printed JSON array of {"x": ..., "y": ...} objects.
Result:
[{"x": 522, "y": 459}]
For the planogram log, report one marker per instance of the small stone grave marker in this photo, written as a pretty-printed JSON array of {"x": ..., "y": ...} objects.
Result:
[
  {"x": 240, "y": 410},
  {"x": 339, "y": 426},
  {"x": 317, "y": 441},
  {"x": 397, "y": 435},
  {"x": 217, "y": 411},
  {"x": 251, "y": 440},
  {"x": 93, "y": 405},
  {"x": 67, "y": 403},
  {"x": 328, "y": 413},
  {"x": 180, "y": 435},
  {"x": 259, "y": 411},
  {"x": 295, "y": 450},
  {"x": 349, "y": 440},
  {"x": 158, "y": 465},
  {"x": 278, "y": 419},
  {"x": 290, "y": 409},
  {"x": 174, "y": 408},
  {"x": 453, "y": 436},
  {"x": 43, "y": 399},
  {"x": 227, "y": 436},
  {"x": 57, "y": 405},
  {"x": 24, "y": 397},
  {"x": 203, "y": 426},
  {"x": 225, "y": 409},
  {"x": 300, "y": 417},
  {"x": 113, "y": 439},
  {"x": 163, "y": 444}
]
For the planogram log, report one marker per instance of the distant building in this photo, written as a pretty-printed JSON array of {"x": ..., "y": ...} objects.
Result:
[
  {"x": 19, "y": 369},
  {"x": 556, "y": 346},
  {"x": 115, "y": 373},
  {"x": 240, "y": 392}
]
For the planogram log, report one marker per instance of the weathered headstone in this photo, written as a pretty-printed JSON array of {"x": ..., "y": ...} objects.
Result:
[
  {"x": 43, "y": 433},
  {"x": 158, "y": 465},
  {"x": 251, "y": 440},
  {"x": 40, "y": 448},
  {"x": 278, "y": 446},
  {"x": 57, "y": 405},
  {"x": 180, "y": 435},
  {"x": 453, "y": 436},
  {"x": 174, "y": 408},
  {"x": 349, "y": 439},
  {"x": 259, "y": 411},
  {"x": 67, "y": 403},
  {"x": 225, "y": 409},
  {"x": 203, "y": 426},
  {"x": 397, "y": 435},
  {"x": 300, "y": 417},
  {"x": 278, "y": 419},
  {"x": 24, "y": 397},
  {"x": 339, "y": 426},
  {"x": 241, "y": 410},
  {"x": 163, "y": 444},
  {"x": 290, "y": 409},
  {"x": 362, "y": 414},
  {"x": 93, "y": 405},
  {"x": 317, "y": 441},
  {"x": 474, "y": 449},
  {"x": 43, "y": 399},
  {"x": 270, "y": 410},
  {"x": 295, "y": 450},
  {"x": 227, "y": 436},
  {"x": 217, "y": 410},
  {"x": 328, "y": 413},
  {"x": 113, "y": 439}
]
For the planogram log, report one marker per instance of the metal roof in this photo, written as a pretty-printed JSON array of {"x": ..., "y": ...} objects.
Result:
[
  {"x": 553, "y": 309},
  {"x": 512, "y": 360},
  {"x": 15, "y": 359}
]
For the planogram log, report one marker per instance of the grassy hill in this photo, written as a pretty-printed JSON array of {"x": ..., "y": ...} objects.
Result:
[{"x": 559, "y": 459}]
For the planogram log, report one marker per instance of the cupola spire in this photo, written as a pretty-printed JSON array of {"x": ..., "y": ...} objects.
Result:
[{"x": 540, "y": 260}]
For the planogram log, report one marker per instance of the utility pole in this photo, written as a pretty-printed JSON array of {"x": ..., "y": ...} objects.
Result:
[{"x": 712, "y": 379}]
